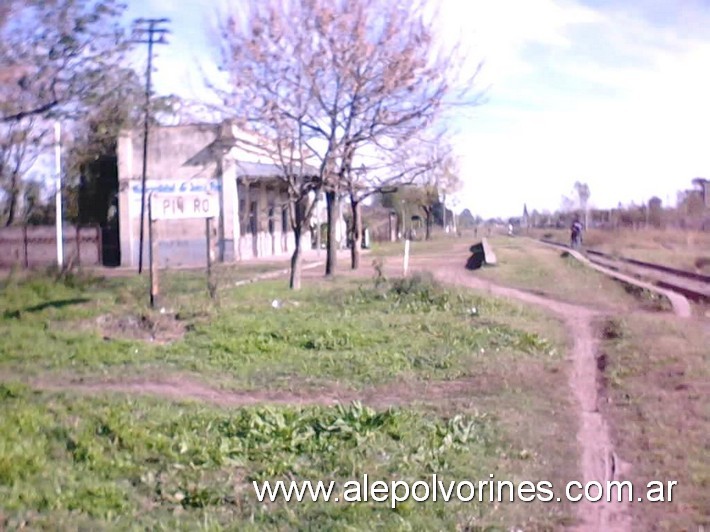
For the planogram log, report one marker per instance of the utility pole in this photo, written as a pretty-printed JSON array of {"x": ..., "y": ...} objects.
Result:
[{"x": 147, "y": 31}]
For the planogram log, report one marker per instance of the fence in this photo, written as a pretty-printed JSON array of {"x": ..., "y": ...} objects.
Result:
[{"x": 36, "y": 246}]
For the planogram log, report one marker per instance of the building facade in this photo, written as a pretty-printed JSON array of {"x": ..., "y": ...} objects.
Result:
[{"x": 253, "y": 216}]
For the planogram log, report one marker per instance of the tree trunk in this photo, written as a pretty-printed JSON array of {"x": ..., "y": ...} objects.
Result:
[
  {"x": 12, "y": 208},
  {"x": 357, "y": 234},
  {"x": 428, "y": 213},
  {"x": 331, "y": 243},
  {"x": 296, "y": 263},
  {"x": 298, "y": 227}
]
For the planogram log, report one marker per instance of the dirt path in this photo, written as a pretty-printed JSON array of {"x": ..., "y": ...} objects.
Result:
[
  {"x": 598, "y": 460},
  {"x": 188, "y": 388}
]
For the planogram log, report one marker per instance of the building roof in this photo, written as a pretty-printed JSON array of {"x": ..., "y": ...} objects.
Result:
[{"x": 265, "y": 170}]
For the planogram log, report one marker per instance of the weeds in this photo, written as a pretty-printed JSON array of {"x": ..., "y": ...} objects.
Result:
[
  {"x": 362, "y": 335},
  {"x": 648, "y": 298},
  {"x": 80, "y": 463},
  {"x": 113, "y": 460},
  {"x": 612, "y": 329}
]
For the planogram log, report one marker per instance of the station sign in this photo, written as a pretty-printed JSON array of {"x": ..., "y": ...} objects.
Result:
[{"x": 183, "y": 206}]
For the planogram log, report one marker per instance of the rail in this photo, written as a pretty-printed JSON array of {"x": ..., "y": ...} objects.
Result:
[{"x": 692, "y": 285}]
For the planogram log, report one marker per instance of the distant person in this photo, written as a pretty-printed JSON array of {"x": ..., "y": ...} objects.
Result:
[
  {"x": 510, "y": 229},
  {"x": 576, "y": 234}
]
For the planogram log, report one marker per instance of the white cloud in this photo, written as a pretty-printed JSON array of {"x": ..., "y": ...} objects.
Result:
[
  {"x": 616, "y": 102},
  {"x": 499, "y": 31}
]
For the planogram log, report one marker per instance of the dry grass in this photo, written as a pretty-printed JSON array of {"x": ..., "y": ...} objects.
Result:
[
  {"x": 525, "y": 264},
  {"x": 656, "y": 382},
  {"x": 654, "y": 374},
  {"x": 676, "y": 248}
]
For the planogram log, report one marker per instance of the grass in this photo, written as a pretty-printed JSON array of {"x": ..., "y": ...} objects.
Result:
[
  {"x": 439, "y": 242},
  {"x": 654, "y": 374},
  {"x": 345, "y": 333},
  {"x": 71, "y": 461},
  {"x": 525, "y": 264},
  {"x": 656, "y": 380},
  {"x": 129, "y": 464},
  {"x": 676, "y": 248}
]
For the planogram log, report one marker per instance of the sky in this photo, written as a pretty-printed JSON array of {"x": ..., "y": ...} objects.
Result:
[{"x": 612, "y": 93}]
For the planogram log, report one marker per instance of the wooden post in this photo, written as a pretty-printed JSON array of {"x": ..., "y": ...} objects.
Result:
[
  {"x": 211, "y": 288},
  {"x": 78, "y": 245},
  {"x": 100, "y": 245},
  {"x": 25, "y": 246},
  {"x": 153, "y": 239}
]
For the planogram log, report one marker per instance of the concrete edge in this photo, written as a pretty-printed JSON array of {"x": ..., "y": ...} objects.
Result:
[{"x": 681, "y": 305}]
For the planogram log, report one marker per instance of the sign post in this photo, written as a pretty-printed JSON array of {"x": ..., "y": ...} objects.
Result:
[
  {"x": 180, "y": 207},
  {"x": 211, "y": 287},
  {"x": 153, "y": 239}
]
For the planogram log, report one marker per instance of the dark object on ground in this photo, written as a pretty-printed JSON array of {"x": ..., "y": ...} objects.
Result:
[
  {"x": 477, "y": 258},
  {"x": 481, "y": 253}
]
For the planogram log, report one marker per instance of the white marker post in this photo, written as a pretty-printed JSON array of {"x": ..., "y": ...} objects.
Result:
[
  {"x": 58, "y": 196},
  {"x": 405, "y": 263}
]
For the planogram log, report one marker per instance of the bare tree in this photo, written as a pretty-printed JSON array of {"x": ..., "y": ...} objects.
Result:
[
  {"x": 20, "y": 145},
  {"x": 382, "y": 171},
  {"x": 58, "y": 51},
  {"x": 286, "y": 148},
  {"x": 54, "y": 56},
  {"x": 703, "y": 185},
  {"x": 441, "y": 177},
  {"x": 348, "y": 74}
]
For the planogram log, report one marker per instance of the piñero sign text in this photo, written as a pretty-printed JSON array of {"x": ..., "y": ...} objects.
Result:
[{"x": 183, "y": 206}]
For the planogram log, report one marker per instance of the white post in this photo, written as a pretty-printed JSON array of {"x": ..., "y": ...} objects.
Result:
[
  {"x": 405, "y": 263},
  {"x": 58, "y": 196},
  {"x": 319, "y": 206}
]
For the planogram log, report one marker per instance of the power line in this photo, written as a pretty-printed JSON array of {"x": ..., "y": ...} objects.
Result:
[{"x": 147, "y": 31}]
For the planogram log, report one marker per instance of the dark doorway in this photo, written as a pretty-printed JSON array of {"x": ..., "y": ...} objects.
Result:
[{"x": 98, "y": 205}]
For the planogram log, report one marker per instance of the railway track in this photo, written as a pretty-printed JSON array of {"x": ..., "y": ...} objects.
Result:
[{"x": 694, "y": 286}]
